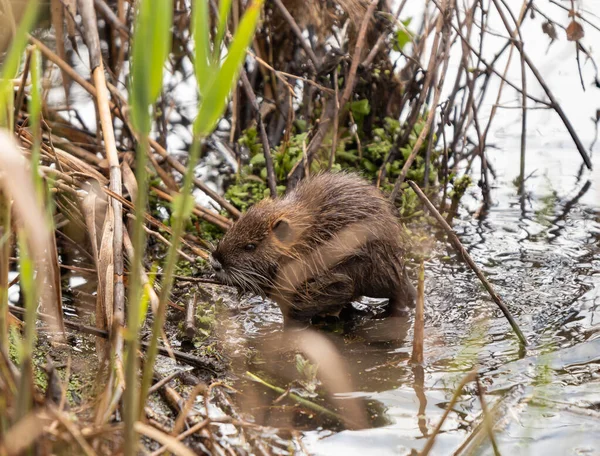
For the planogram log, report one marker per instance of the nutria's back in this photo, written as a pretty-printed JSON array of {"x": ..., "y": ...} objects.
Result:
[{"x": 338, "y": 200}]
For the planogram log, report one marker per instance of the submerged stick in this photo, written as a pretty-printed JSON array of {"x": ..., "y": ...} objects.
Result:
[
  {"x": 458, "y": 246},
  {"x": 305, "y": 402},
  {"x": 417, "y": 353}
]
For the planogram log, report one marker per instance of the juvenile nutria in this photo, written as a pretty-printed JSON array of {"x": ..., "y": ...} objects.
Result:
[{"x": 331, "y": 240}]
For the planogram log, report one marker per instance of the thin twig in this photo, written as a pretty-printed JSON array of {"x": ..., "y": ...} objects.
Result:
[
  {"x": 263, "y": 134},
  {"x": 172, "y": 161},
  {"x": 336, "y": 120},
  {"x": 431, "y": 441},
  {"x": 442, "y": 32},
  {"x": 486, "y": 417},
  {"x": 465, "y": 255},
  {"x": 190, "y": 317},
  {"x": 296, "y": 29},
  {"x": 325, "y": 125},
  {"x": 555, "y": 104}
]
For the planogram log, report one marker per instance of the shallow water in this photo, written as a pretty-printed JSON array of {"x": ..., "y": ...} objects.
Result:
[
  {"x": 544, "y": 262},
  {"x": 542, "y": 255}
]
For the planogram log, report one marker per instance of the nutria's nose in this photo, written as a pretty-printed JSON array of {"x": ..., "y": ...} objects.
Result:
[{"x": 215, "y": 264}]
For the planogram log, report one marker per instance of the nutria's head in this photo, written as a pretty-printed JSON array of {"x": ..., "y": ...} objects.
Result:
[{"x": 249, "y": 254}]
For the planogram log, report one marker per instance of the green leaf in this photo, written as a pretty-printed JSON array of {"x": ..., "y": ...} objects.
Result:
[
  {"x": 360, "y": 107},
  {"x": 152, "y": 32},
  {"x": 369, "y": 166},
  {"x": 224, "y": 8},
  {"x": 403, "y": 35},
  {"x": 258, "y": 160},
  {"x": 201, "y": 35},
  {"x": 214, "y": 101},
  {"x": 178, "y": 208},
  {"x": 146, "y": 294},
  {"x": 19, "y": 41}
]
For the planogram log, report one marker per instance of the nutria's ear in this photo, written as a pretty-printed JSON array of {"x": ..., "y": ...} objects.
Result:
[{"x": 282, "y": 230}]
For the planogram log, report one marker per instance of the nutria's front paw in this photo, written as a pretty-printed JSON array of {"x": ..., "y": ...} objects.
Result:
[
  {"x": 400, "y": 311},
  {"x": 292, "y": 324}
]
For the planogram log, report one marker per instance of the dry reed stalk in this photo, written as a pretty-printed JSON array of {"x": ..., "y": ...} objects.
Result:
[
  {"x": 111, "y": 247},
  {"x": 199, "y": 211},
  {"x": 172, "y": 162},
  {"x": 95, "y": 213},
  {"x": 16, "y": 183},
  {"x": 21, "y": 90},
  {"x": 186, "y": 407},
  {"x": 22, "y": 434},
  {"x": 57, "y": 15},
  {"x": 487, "y": 419},
  {"x": 172, "y": 444}
]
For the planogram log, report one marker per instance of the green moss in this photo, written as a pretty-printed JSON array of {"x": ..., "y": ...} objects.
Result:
[
  {"x": 367, "y": 158},
  {"x": 459, "y": 187},
  {"x": 14, "y": 345},
  {"x": 206, "y": 320},
  {"x": 188, "y": 269},
  {"x": 40, "y": 378}
]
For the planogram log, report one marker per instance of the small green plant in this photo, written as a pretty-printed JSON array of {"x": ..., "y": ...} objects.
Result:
[
  {"x": 403, "y": 35},
  {"x": 308, "y": 372}
]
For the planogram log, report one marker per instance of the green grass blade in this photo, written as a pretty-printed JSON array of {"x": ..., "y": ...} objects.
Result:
[
  {"x": 152, "y": 32},
  {"x": 35, "y": 112},
  {"x": 13, "y": 57},
  {"x": 5, "y": 251},
  {"x": 10, "y": 65},
  {"x": 27, "y": 285},
  {"x": 214, "y": 101},
  {"x": 224, "y": 9},
  {"x": 201, "y": 34},
  {"x": 150, "y": 48}
]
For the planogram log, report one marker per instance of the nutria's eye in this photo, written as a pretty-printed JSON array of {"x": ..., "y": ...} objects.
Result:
[{"x": 250, "y": 247}]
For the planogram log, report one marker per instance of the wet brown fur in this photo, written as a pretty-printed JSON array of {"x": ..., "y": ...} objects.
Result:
[{"x": 337, "y": 228}]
